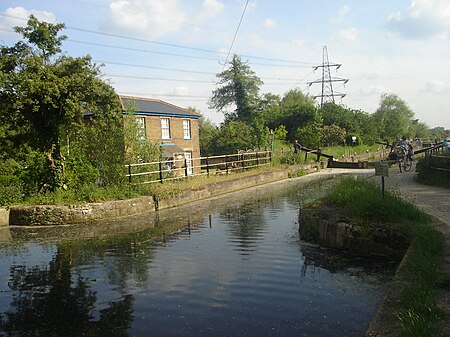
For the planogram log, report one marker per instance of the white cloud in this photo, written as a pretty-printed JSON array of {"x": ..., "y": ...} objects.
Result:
[
  {"x": 341, "y": 14},
  {"x": 436, "y": 87},
  {"x": 424, "y": 19},
  {"x": 145, "y": 18},
  {"x": 251, "y": 5},
  {"x": 210, "y": 9},
  {"x": 371, "y": 90},
  {"x": 298, "y": 42},
  {"x": 349, "y": 34},
  {"x": 269, "y": 23},
  {"x": 17, "y": 16}
]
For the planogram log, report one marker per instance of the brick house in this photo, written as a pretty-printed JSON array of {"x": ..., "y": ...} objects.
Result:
[{"x": 175, "y": 128}]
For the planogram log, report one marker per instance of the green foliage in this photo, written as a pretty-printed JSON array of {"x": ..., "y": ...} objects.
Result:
[
  {"x": 434, "y": 170},
  {"x": 420, "y": 273},
  {"x": 419, "y": 314},
  {"x": 280, "y": 133},
  {"x": 234, "y": 136},
  {"x": 309, "y": 134},
  {"x": 137, "y": 146},
  {"x": 84, "y": 194},
  {"x": 208, "y": 133},
  {"x": 393, "y": 117},
  {"x": 333, "y": 135},
  {"x": 239, "y": 87},
  {"x": 11, "y": 190},
  {"x": 353, "y": 121},
  {"x": 439, "y": 133},
  {"x": 364, "y": 199},
  {"x": 44, "y": 96},
  {"x": 299, "y": 111}
]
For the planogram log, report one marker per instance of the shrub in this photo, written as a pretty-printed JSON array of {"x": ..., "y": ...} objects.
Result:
[{"x": 11, "y": 190}]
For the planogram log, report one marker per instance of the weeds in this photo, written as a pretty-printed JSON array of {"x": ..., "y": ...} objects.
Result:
[{"x": 421, "y": 274}]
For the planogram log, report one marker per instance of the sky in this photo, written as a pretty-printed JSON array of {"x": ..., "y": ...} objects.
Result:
[{"x": 173, "y": 49}]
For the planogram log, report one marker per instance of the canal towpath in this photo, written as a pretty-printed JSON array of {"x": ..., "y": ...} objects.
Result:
[{"x": 436, "y": 202}]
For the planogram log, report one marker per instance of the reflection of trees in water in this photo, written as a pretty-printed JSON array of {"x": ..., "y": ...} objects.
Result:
[
  {"x": 52, "y": 301},
  {"x": 246, "y": 223}
]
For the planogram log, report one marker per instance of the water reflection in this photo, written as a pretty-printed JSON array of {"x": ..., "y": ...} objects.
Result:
[
  {"x": 56, "y": 300},
  {"x": 211, "y": 269}
]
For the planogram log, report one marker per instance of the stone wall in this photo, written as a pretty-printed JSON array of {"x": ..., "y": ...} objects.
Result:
[
  {"x": 45, "y": 215},
  {"x": 4, "y": 217}
]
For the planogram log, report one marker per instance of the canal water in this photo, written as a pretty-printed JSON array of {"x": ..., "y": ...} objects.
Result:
[{"x": 229, "y": 266}]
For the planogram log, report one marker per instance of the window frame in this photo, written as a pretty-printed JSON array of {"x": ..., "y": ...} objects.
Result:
[
  {"x": 141, "y": 130},
  {"x": 165, "y": 129},
  {"x": 187, "y": 129}
]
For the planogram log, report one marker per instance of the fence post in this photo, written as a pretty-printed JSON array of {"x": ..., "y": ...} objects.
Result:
[
  {"x": 257, "y": 159},
  {"x": 160, "y": 172},
  {"x": 226, "y": 163},
  {"x": 207, "y": 166},
  {"x": 242, "y": 161},
  {"x": 185, "y": 168},
  {"x": 129, "y": 173},
  {"x": 319, "y": 153}
]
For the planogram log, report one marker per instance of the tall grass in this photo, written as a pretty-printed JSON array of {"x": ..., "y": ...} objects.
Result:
[
  {"x": 365, "y": 199},
  {"x": 418, "y": 313}
]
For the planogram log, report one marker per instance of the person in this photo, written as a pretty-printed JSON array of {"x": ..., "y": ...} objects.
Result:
[
  {"x": 407, "y": 146},
  {"x": 296, "y": 146}
]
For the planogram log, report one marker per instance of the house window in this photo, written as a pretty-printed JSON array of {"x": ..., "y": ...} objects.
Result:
[
  {"x": 187, "y": 129},
  {"x": 165, "y": 128},
  {"x": 140, "y": 126}
]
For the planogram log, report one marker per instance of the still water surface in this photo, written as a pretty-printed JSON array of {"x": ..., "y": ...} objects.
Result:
[{"x": 238, "y": 269}]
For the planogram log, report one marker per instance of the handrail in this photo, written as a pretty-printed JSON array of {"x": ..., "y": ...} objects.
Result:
[{"x": 173, "y": 170}]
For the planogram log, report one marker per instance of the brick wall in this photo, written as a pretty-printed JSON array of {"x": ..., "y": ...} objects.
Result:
[{"x": 153, "y": 131}]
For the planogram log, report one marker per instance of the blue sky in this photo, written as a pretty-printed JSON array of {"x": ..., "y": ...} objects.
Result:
[{"x": 172, "y": 49}]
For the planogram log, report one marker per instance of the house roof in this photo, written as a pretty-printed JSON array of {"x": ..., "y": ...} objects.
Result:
[{"x": 154, "y": 107}]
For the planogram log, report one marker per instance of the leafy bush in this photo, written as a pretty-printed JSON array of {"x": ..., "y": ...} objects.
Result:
[
  {"x": 434, "y": 171},
  {"x": 11, "y": 190}
]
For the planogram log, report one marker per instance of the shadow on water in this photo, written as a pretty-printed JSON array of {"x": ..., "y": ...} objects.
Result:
[{"x": 210, "y": 268}]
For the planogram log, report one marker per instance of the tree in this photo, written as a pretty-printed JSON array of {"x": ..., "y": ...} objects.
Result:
[
  {"x": 233, "y": 136},
  {"x": 238, "y": 86},
  {"x": 393, "y": 117},
  {"x": 45, "y": 96},
  {"x": 310, "y": 132},
  {"x": 208, "y": 133},
  {"x": 333, "y": 135},
  {"x": 297, "y": 111}
]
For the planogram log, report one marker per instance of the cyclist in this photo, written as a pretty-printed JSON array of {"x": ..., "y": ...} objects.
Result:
[{"x": 407, "y": 147}]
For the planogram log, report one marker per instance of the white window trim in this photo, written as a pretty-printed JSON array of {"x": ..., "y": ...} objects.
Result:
[
  {"x": 187, "y": 129},
  {"x": 141, "y": 129},
  {"x": 165, "y": 129}
]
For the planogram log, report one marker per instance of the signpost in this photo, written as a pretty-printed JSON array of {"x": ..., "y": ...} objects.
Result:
[{"x": 382, "y": 169}]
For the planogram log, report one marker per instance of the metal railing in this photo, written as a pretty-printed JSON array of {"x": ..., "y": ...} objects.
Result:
[{"x": 181, "y": 167}]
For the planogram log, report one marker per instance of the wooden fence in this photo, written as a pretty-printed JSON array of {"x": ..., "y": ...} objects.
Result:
[{"x": 180, "y": 168}]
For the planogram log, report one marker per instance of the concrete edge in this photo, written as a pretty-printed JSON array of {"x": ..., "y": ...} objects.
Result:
[{"x": 53, "y": 215}]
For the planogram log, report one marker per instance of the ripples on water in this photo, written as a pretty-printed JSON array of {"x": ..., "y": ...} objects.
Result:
[{"x": 241, "y": 270}]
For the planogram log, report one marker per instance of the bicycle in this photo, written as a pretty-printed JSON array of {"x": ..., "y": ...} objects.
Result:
[{"x": 404, "y": 159}]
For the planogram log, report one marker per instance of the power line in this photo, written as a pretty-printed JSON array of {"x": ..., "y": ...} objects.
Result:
[
  {"x": 158, "y": 78},
  {"x": 154, "y": 67},
  {"x": 172, "y": 45},
  {"x": 174, "y": 54},
  {"x": 184, "y": 70},
  {"x": 235, "y": 34}
]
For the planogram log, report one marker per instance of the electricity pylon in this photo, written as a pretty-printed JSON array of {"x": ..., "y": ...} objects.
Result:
[{"x": 327, "y": 94}]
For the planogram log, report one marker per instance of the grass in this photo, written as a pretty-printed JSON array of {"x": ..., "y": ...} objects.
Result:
[{"x": 421, "y": 273}]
